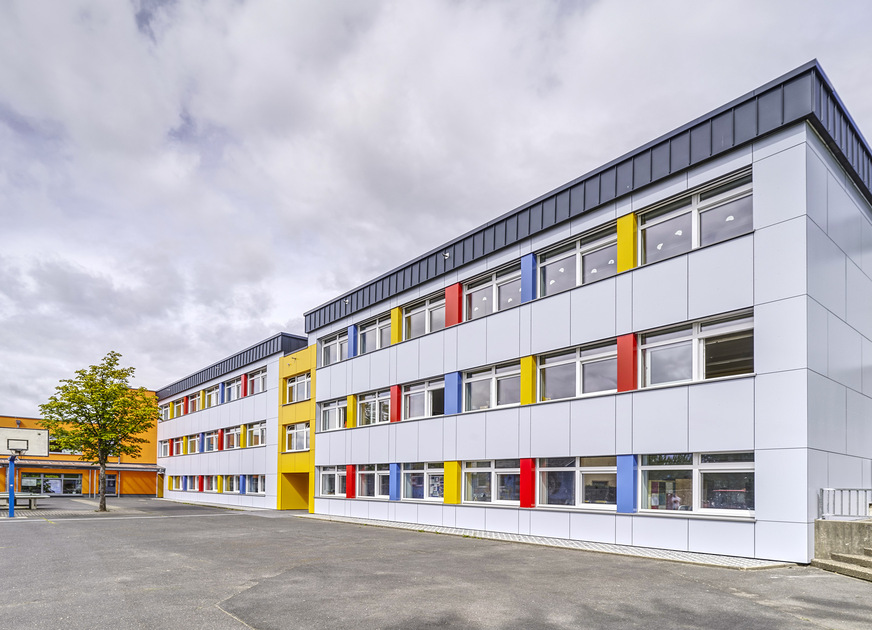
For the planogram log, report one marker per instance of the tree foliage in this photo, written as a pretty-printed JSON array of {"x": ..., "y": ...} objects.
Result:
[{"x": 97, "y": 414}]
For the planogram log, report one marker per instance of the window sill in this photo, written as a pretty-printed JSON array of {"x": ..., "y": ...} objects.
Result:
[
  {"x": 713, "y": 515},
  {"x": 299, "y": 450},
  {"x": 646, "y": 388}
]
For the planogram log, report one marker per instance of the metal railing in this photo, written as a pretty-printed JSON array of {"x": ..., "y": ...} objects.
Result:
[{"x": 845, "y": 503}]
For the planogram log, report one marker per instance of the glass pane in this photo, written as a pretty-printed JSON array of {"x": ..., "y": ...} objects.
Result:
[
  {"x": 328, "y": 485},
  {"x": 667, "y": 490},
  {"x": 329, "y": 357},
  {"x": 367, "y": 341},
  {"x": 436, "y": 487},
  {"x": 600, "y": 488},
  {"x": 667, "y": 459},
  {"x": 599, "y": 376},
  {"x": 413, "y": 486},
  {"x": 385, "y": 336},
  {"x": 669, "y": 363},
  {"x": 730, "y": 355},
  {"x": 437, "y": 402},
  {"x": 341, "y": 489},
  {"x": 557, "y": 462},
  {"x": 507, "y": 463},
  {"x": 509, "y": 293},
  {"x": 728, "y": 491},
  {"x": 558, "y": 381},
  {"x": 726, "y": 221},
  {"x": 478, "y": 395},
  {"x": 715, "y": 458},
  {"x": 416, "y": 324},
  {"x": 599, "y": 264},
  {"x": 667, "y": 239},
  {"x": 558, "y": 275},
  {"x": 675, "y": 333},
  {"x": 725, "y": 188},
  {"x": 558, "y": 488},
  {"x": 509, "y": 486},
  {"x": 414, "y": 405},
  {"x": 479, "y": 302},
  {"x": 343, "y": 350},
  {"x": 413, "y": 466},
  {"x": 384, "y": 485},
  {"x": 437, "y": 318},
  {"x": 509, "y": 390},
  {"x": 557, "y": 358},
  {"x": 384, "y": 411},
  {"x": 478, "y": 486},
  {"x": 598, "y": 461}
]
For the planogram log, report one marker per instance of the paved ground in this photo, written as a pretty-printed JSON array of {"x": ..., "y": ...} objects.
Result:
[{"x": 156, "y": 564}]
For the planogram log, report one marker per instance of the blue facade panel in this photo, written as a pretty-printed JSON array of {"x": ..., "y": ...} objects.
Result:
[
  {"x": 453, "y": 393},
  {"x": 628, "y": 472},
  {"x": 528, "y": 278}
]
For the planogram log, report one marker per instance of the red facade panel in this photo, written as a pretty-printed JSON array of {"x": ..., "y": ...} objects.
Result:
[
  {"x": 453, "y": 304},
  {"x": 350, "y": 478},
  {"x": 627, "y": 362},
  {"x": 528, "y": 483},
  {"x": 396, "y": 403}
]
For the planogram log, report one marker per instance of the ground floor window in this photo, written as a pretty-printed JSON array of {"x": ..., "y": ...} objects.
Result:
[
  {"x": 192, "y": 483},
  {"x": 332, "y": 481},
  {"x": 492, "y": 481},
  {"x": 210, "y": 483},
  {"x": 175, "y": 483},
  {"x": 48, "y": 483},
  {"x": 698, "y": 481},
  {"x": 581, "y": 481},
  {"x": 255, "y": 484},
  {"x": 424, "y": 481},
  {"x": 231, "y": 483},
  {"x": 374, "y": 480}
]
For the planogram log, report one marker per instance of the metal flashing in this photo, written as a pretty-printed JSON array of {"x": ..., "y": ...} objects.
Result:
[
  {"x": 803, "y": 94},
  {"x": 281, "y": 343}
]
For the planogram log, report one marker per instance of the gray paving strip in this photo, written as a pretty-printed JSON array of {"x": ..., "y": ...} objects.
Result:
[{"x": 729, "y": 562}]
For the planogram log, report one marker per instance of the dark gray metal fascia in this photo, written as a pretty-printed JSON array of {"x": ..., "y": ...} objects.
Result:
[
  {"x": 281, "y": 343},
  {"x": 804, "y": 93}
]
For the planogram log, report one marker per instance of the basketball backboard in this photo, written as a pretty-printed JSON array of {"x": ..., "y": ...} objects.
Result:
[{"x": 33, "y": 441}]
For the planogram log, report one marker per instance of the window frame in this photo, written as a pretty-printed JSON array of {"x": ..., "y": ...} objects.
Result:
[
  {"x": 495, "y": 280},
  {"x": 427, "y": 389},
  {"x": 429, "y": 472},
  {"x": 165, "y": 412},
  {"x": 580, "y": 469},
  {"x": 231, "y": 484},
  {"x": 578, "y": 248},
  {"x": 698, "y": 469},
  {"x": 339, "y": 342},
  {"x": 292, "y": 383},
  {"x": 735, "y": 324},
  {"x": 195, "y": 441},
  {"x": 261, "y": 481},
  {"x": 378, "y": 472},
  {"x": 579, "y": 359},
  {"x": 380, "y": 326},
  {"x": 292, "y": 435},
  {"x": 471, "y": 467},
  {"x": 736, "y": 186},
  {"x": 178, "y": 407},
  {"x": 492, "y": 375},
  {"x": 428, "y": 307},
  {"x": 178, "y": 443},
  {"x": 233, "y": 389},
  {"x": 257, "y": 379},
  {"x": 230, "y": 433},
  {"x": 341, "y": 407},
  {"x": 258, "y": 430},
  {"x": 339, "y": 474},
  {"x": 164, "y": 446},
  {"x": 375, "y": 401},
  {"x": 210, "y": 439},
  {"x": 212, "y": 394}
]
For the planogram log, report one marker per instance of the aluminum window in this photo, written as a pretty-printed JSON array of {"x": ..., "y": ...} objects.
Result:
[
  {"x": 232, "y": 438},
  {"x": 333, "y": 415},
  {"x": 177, "y": 445},
  {"x": 297, "y": 437},
  {"x": 231, "y": 484},
  {"x": 590, "y": 258},
  {"x": 255, "y": 484},
  {"x": 713, "y": 348},
  {"x": 589, "y": 482},
  {"x": 334, "y": 349},
  {"x": 374, "y": 480},
  {"x": 193, "y": 403},
  {"x": 424, "y": 400},
  {"x": 424, "y": 317},
  {"x": 298, "y": 388},
  {"x": 374, "y": 408},
  {"x": 193, "y": 444},
  {"x": 332, "y": 481},
  {"x": 232, "y": 389},
  {"x": 424, "y": 481},
  {"x": 492, "y": 387},
  {"x": 164, "y": 448},
  {"x": 164, "y": 412},
  {"x": 178, "y": 408},
  {"x": 706, "y": 482},
  {"x": 255, "y": 434},
  {"x": 572, "y": 373},
  {"x": 212, "y": 395},
  {"x": 494, "y": 292},
  {"x": 713, "y": 214},
  {"x": 210, "y": 442},
  {"x": 257, "y": 382},
  {"x": 374, "y": 335},
  {"x": 492, "y": 481}
]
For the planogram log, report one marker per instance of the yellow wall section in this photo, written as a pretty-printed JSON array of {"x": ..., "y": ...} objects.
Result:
[
  {"x": 396, "y": 325},
  {"x": 296, "y": 487},
  {"x": 627, "y": 234},
  {"x": 528, "y": 380},
  {"x": 351, "y": 412},
  {"x": 220, "y": 483},
  {"x": 242, "y": 436},
  {"x": 452, "y": 489},
  {"x": 202, "y": 399}
]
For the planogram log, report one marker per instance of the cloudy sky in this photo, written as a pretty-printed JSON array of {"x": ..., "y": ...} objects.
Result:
[{"x": 179, "y": 180}]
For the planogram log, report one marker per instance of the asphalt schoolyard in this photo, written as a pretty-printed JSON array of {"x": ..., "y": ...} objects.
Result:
[{"x": 156, "y": 564}]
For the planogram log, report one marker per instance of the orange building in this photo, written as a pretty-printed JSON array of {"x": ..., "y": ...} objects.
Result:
[{"x": 62, "y": 472}]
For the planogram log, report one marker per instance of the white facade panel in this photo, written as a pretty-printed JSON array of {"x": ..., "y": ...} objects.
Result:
[
  {"x": 503, "y": 336},
  {"x": 858, "y": 294},
  {"x": 660, "y": 294},
  {"x": 816, "y": 188},
  {"x": 469, "y": 517},
  {"x": 501, "y": 520},
  {"x": 780, "y": 335},
  {"x": 471, "y": 439},
  {"x": 826, "y": 271},
  {"x": 844, "y": 353},
  {"x": 775, "y": 202},
  {"x": 472, "y": 344},
  {"x": 550, "y": 524},
  {"x": 729, "y": 538},
  {"x": 593, "y": 312},
  {"x": 844, "y": 221},
  {"x": 660, "y": 532},
  {"x": 781, "y": 410},
  {"x": 379, "y": 370},
  {"x": 549, "y": 430},
  {"x": 594, "y": 527},
  {"x": 407, "y": 441},
  {"x": 859, "y": 425},
  {"x": 430, "y": 514},
  {"x": 721, "y": 416},
  {"x": 779, "y": 261},
  {"x": 721, "y": 278},
  {"x": 792, "y": 542},
  {"x": 359, "y": 446},
  {"x": 430, "y": 442},
  {"x": 550, "y": 317},
  {"x": 592, "y": 426},
  {"x": 780, "y": 477},
  {"x": 407, "y": 361},
  {"x": 431, "y": 355},
  {"x": 660, "y": 422},
  {"x": 502, "y": 427},
  {"x": 827, "y": 414},
  {"x": 380, "y": 440}
]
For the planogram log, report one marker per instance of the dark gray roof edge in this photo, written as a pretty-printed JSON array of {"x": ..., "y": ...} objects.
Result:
[
  {"x": 812, "y": 69},
  {"x": 280, "y": 343}
]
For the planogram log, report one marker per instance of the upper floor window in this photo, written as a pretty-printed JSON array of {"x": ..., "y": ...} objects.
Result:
[
  {"x": 164, "y": 412},
  {"x": 422, "y": 400},
  {"x": 164, "y": 448},
  {"x": 212, "y": 394},
  {"x": 256, "y": 434},
  {"x": 334, "y": 349},
  {"x": 232, "y": 438},
  {"x": 375, "y": 335},
  {"x": 495, "y": 292},
  {"x": 492, "y": 387},
  {"x": 712, "y": 215},
  {"x": 582, "y": 481},
  {"x": 333, "y": 415},
  {"x": 333, "y": 481},
  {"x": 373, "y": 480},
  {"x": 193, "y": 444},
  {"x": 193, "y": 403},
  {"x": 211, "y": 442},
  {"x": 589, "y": 258},
  {"x": 424, "y": 317},
  {"x": 177, "y": 445},
  {"x": 297, "y": 437},
  {"x": 702, "y": 350},
  {"x": 232, "y": 389},
  {"x": 374, "y": 408},
  {"x": 178, "y": 407},
  {"x": 298, "y": 388},
  {"x": 257, "y": 382},
  {"x": 698, "y": 481},
  {"x": 494, "y": 481},
  {"x": 572, "y": 373},
  {"x": 424, "y": 481}
]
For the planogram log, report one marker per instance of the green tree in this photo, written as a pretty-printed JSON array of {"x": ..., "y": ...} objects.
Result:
[{"x": 99, "y": 415}]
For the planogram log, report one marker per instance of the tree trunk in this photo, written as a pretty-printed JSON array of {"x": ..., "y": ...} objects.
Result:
[{"x": 102, "y": 486}]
